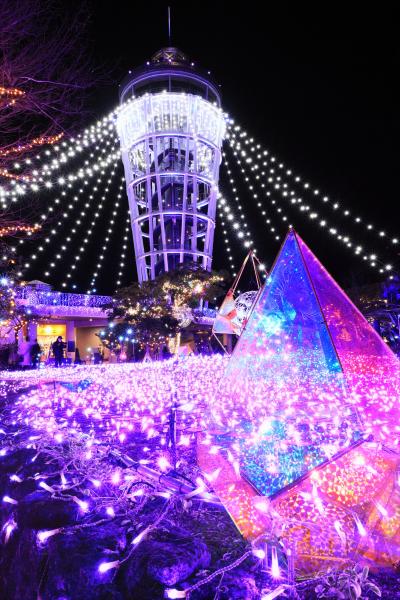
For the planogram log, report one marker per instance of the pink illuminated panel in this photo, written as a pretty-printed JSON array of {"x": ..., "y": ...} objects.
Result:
[{"x": 358, "y": 345}]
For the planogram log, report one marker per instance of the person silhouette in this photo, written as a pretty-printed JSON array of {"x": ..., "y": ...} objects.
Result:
[
  {"x": 58, "y": 350},
  {"x": 78, "y": 360},
  {"x": 35, "y": 351}
]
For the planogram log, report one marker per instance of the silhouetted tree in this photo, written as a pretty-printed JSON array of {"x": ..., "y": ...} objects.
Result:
[
  {"x": 158, "y": 309},
  {"x": 45, "y": 73}
]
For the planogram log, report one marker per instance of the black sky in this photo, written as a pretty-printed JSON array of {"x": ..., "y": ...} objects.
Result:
[{"x": 320, "y": 92}]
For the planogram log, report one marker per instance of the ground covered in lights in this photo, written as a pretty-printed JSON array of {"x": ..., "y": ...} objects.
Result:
[{"x": 102, "y": 495}]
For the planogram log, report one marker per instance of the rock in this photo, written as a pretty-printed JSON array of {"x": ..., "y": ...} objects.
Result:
[
  {"x": 173, "y": 557},
  {"x": 20, "y": 567},
  {"x": 73, "y": 562},
  {"x": 11, "y": 463},
  {"x": 134, "y": 573},
  {"x": 43, "y": 465},
  {"x": 238, "y": 584},
  {"x": 16, "y": 490},
  {"x": 103, "y": 592},
  {"x": 4, "y": 482},
  {"x": 177, "y": 559},
  {"x": 39, "y": 511}
]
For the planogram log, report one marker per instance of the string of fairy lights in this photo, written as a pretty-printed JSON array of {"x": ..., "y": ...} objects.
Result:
[
  {"x": 109, "y": 233},
  {"x": 253, "y": 159},
  {"x": 276, "y": 191},
  {"x": 228, "y": 249},
  {"x": 89, "y": 233},
  {"x": 262, "y": 209},
  {"x": 69, "y": 211},
  {"x": 243, "y": 223},
  {"x": 240, "y": 225},
  {"x": 124, "y": 247},
  {"x": 54, "y": 159},
  {"x": 66, "y": 241},
  {"x": 70, "y": 205},
  {"x": 278, "y": 188}
]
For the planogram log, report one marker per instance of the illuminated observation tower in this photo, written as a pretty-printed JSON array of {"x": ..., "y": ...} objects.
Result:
[{"x": 171, "y": 128}]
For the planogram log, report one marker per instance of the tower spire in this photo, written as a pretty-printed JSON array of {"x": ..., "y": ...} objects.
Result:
[{"x": 169, "y": 25}]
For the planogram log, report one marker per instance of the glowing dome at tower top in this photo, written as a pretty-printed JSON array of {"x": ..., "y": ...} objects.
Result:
[
  {"x": 170, "y": 69},
  {"x": 170, "y": 56}
]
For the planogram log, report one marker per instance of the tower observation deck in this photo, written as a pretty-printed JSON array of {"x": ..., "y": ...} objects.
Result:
[{"x": 171, "y": 128}]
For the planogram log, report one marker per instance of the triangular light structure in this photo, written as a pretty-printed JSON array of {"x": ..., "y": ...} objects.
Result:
[
  {"x": 296, "y": 389},
  {"x": 308, "y": 422}
]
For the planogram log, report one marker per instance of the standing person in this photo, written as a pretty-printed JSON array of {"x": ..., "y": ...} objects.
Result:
[
  {"x": 58, "y": 350},
  {"x": 36, "y": 352},
  {"x": 13, "y": 356},
  {"x": 78, "y": 360},
  {"x": 106, "y": 354},
  {"x": 24, "y": 351}
]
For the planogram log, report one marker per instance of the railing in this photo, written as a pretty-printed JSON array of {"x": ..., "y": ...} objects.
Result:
[
  {"x": 35, "y": 297},
  {"x": 38, "y": 298},
  {"x": 204, "y": 316}
]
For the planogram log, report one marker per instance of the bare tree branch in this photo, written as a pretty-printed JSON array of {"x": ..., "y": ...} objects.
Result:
[{"x": 44, "y": 56}]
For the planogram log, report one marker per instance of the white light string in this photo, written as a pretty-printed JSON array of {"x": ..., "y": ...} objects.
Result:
[
  {"x": 63, "y": 246},
  {"x": 240, "y": 226},
  {"x": 277, "y": 179},
  {"x": 124, "y": 246},
  {"x": 45, "y": 177},
  {"x": 64, "y": 152},
  {"x": 58, "y": 156},
  {"x": 85, "y": 175},
  {"x": 79, "y": 222},
  {"x": 224, "y": 225},
  {"x": 306, "y": 186},
  {"x": 67, "y": 211},
  {"x": 279, "y": 189},
  {"x": 270, "y": 197},
  {"x": 89, "y": 232},
  {"x": 240, "y": 230},
  {"x": 91, "y": 170},
  {"x": 108, "y": 236},
  {"x": 262, "y": 210}
]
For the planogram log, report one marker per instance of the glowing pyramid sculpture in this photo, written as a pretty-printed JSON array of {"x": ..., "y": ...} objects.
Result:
[
  {"x": 285, "y": 353},
  {"x": 308, "y": 384}
]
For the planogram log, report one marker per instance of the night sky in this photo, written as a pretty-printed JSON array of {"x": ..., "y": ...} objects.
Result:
[{"x": 321, "y": 97}]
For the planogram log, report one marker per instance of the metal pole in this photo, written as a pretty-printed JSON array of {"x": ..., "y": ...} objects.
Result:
[
  {"x": 169, "y": 25},
  {"x": 172, "y": 430}
]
